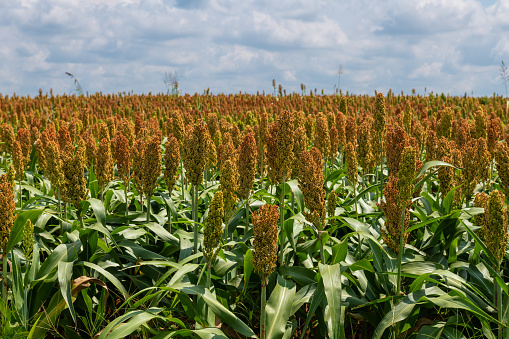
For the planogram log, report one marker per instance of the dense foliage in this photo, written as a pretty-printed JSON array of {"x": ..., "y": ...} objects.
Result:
[{"x": 290, "y": 216}]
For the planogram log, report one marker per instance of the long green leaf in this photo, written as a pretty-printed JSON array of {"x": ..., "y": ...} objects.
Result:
[
  {"x": 63, "y": 252},
  {"x": 137, "y": 317},
  {"x": 64, "y": 280},
  {"x": 17, "y": 228},
  {"x": 331, "y": 276},
  {"x": 98, "y": 208},
  {"x": 108, "y": 276},
  {"x": 403, "y": 309},
  {"x": 226, "y": 315},
  {"x": 279, "y": 307}
]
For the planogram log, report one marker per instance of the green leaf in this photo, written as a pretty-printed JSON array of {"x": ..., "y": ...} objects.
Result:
[
  {"x": 302, "y": 275},
  {"x": 362, "y": 264},
  {"x": 226, "y": 315},
  {"x": 108, "y": 276},
  {"x": 398, "y": 313},
  {"x": 429, "y": 165},
  {"x": 118, "y": 329},
  {"x": 462, "y": 302},
  {"x": 279, "y": 307},
  {"x": 17, "y": 284},
  {"x": 93, "y": 185},
  {"x": 248, "y": 269},
  {"x": 339, "y": 252},
  {"x": 331, "y": 277},
  {"x": 47, "y": 318},
  {"x": 316, "y": 300},
  {"x": 99, "y": 212},
  {"x": 162, "y": 233},
  {"x": 64, "y": 280},
  {"x": 303, "y": 296},
  {"x": 17, "y": 229},
  {"x": 431, "y": 331},
  {"x": 479, "y": 242},
  {"x": 63, "y": 252}
]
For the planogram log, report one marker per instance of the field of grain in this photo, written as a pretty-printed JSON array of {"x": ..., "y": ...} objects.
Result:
[{"x": 234, "y": 216}]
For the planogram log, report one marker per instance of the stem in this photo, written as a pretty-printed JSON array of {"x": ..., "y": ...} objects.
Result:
[
  {"x": 4, "y": 277},
  {"x": 126, "y": 204},
  {"x": 401, "y": 249},
  {"x": 247, "y": 216},
  {"x": 322, "y": 255},
  {"x": 195, "y": 219},
  {"x": 355, "y": 202},
  {"x": 262, "y": 316},
  {"x": 20, "y": 196},
  {"x": 182, "y": 177},
  {"x": 169, "y": 214},
  {"x": 381, "y": 171},
  {"x": 148, "y": 208},
  {"x": 498, "y": 299},
  {"x": 207, "y": 310},
  {"x": 282, "y": 219}
]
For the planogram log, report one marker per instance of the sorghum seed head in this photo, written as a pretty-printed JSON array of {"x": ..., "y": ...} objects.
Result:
[{"x": 265, "y": 241}]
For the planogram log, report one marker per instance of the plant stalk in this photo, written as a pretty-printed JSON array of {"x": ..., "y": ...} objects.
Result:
[
  {"x": 247, "y": 216},
  {"x": 20, "y": 196},
  {"x": 401, "y": 250},
  {"x": 263, "y": 315},
  {"x": 195, "y": 219},
  {"x": 379, "y": 189},
  {"x": 282, "y": 219},
  {"x": 182, "y": 177},
  {"x": 322, "y": 254},
  {"x": 4, "y": 276},
  {"x": 126, "y": 205},
  {"x": 148, "y": 208}
]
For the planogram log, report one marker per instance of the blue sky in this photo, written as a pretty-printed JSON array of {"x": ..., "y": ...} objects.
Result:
[{"x": 450, "y": 46}]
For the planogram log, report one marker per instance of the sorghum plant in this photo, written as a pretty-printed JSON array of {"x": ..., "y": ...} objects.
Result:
[
  {"x": 502, "y": 165},
  {"x": 396, "y": 140},
  {"x": 213, "y": 231},
  {"x": 470, "y": 169},
  {"x": 151, "y": 168},
  {"x": 265, "y": 250},
  {"x": 311, "y": 184},
  {"x": 7, "y": 217},
  {"x": 322, "y": 138},
  {"x": 104, "y": 167},
  {"x": 247, "y": 169}
]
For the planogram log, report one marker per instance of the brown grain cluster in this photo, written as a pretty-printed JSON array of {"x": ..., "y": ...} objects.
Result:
[
  {"x": 229, "y": 185},
  {"x": 171, "y": 162},
  {"x": 391, "y": 231},
  {"x": 365, "y": 150},
  {"x": 502, "y": 165},
  {"x": 195, "y": 152},
  {"x": 104, "y": 165},
  {"x": 7, "y": 209},
  {"x": 396, "y": 140},
  {"x": 74, "y": 187},
  {"x": 322, "y": 138},
  {"x": 311, "y": 181},
  {"x": 213, "y": 229},
  {"x": 265, "y": 241},
  {"x": 494, "y": 223},
  {"x": 351, "y": 160},
  {"x": 247, "y": 164}
]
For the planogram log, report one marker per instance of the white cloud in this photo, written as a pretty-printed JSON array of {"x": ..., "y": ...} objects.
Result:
[
  {"x": 427, "y": 70},
  {"x": 231, "y": 46}
]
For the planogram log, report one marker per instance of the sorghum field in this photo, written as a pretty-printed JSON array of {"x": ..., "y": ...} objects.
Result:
[{"x": 234, "y": 216}]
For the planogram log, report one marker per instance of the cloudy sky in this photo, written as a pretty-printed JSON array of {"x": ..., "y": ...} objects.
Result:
[{"x": 450, "y": 46}]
